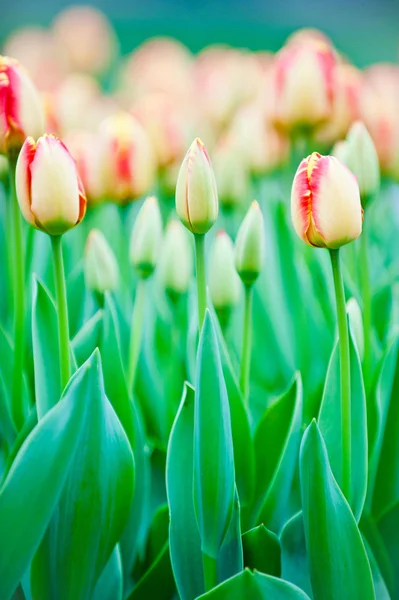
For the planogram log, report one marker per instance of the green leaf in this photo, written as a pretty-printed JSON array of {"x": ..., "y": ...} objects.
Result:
[
  {"x": 45, "y": 349},
  {"x": 94, "y": 505},
  {"x": 294, "y": 559},
  {"x": 255, "y": 586},
  {"x": 184, "y": 539},
  {"x": 110, "y": 584},
  {"x": 338, "y": 563},
  {"x": 374, "y": 539},
  {"x": 22, "y": 522},
  {"x": 213, "y": 446},
  {"x": 87, "y": 338},
  {"x": 262, "y": 551},
  {"x": 330, "y": 425},
  {"x": 388, "y": 527},
  {"x": 230, "y": 560},
  {"x": 380, "y": 588},
  {"x": 276, "y": 449}
]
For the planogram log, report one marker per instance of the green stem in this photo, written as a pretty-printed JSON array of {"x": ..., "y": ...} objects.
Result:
[
  {"x": 62, "y": 310},
  {"x": 19, "y": 302},
  {"x": 201, "y": 278},
  {"x": 345, "y": 372},
  {"x": 136, "y": 333},
  {"x": 246, "y": 344},
  {"x": 366, "y": 292},
  {"x": 210, "y": 571}
]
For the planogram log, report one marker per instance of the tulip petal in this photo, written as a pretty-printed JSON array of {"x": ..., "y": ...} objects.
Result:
[{"x": 23, "y": 179}]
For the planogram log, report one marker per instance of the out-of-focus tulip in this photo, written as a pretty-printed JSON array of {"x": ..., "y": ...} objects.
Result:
[
  {"x": 85, "y": 38},
  {"x": 127, "y": 165},
  {"x": 304, "y": 74},
  {"x": 83, "y": 146},
  {"x": 100, "y": 266},
  {"x": 49, "y": 190},
  {"x": 21, "y": 112},
  {"x": 224, "y": 283},
  {"x": 250, "y": 245},
  {"x": 196, "y": 194},
  {"x": 231, "y": 172},
  {"x": 360, "y": 156},
  {"x": 325, "y": 202},
  {"x": 146, "y": 239},
  {"x": 346, "y": 106},
  {"x": 176, "y": 261}
]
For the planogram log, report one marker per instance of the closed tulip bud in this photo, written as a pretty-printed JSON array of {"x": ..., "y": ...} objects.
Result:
[
  {"x": 340, "y": 151},
  {"x": 304, "y": 84},
  {"x": 362, "y": 159},
  {"x": 50, "y": 192},
  {"x": 100, "y": 266},
  {"x": 126, "y": 160},
  {"x": 176, "y": 264},
  {"x": 250, "y": 245},
  {"x": 325, "y": 202},
  {"x": 224, "y": 283},
  {"x": 21, "y": 112},
  {"x": 146, "y": 237},
  {"x": 232, "y": 173},
  {"x": 196, "y": 193}
]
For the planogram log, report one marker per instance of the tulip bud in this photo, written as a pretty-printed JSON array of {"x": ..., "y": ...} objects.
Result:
[
  {"x": 100, "y": 266},
  {"x": 250, "y": 245},
  {"x": 340, "y": 151},
  {"x": 325, "y": 202},
  {"x": 196, "y": 193},
  {"x": 356, "y": 323},
  {"x": 126, "y": 162},
  {"x": 304, "y": 84},
  {"x": 50, "y": 193},
  {"x": 21, "y": 112},
  {"x": 176, "y": 265},
  {"x": 146, "y": 236},
  {"x": 232, "y": 173},
  {"x": 224, "y": 283},
  {"x": 361, "y": 158}
]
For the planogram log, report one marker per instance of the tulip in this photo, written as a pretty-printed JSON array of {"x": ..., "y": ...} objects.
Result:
[
  {"x": 250, "y": 244},
  {"x": 197, "y": 207},
  {"x": 232, "y": 172},
  {"x": 100, "y": 266},
  {"x": 21, "y": 112},
  {"x": 176, "y": 265},
  {"x": 224, "y": 283},
  {"x": 50, "y": 192},
  {"x": 145, "y": 244},
  {"x": 196, "y": 193},
  {"x": 325, "y": 202},
  {"x": 127, "y": 165},
  {"x": 362, "y": 159},
  {"x": 304, "y": 84}
]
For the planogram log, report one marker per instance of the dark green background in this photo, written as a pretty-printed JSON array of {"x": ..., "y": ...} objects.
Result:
[{"x": 367, "y": 31}]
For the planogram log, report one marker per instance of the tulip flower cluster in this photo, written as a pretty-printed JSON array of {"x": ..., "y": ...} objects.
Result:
[{"x": 199, "y": 348}]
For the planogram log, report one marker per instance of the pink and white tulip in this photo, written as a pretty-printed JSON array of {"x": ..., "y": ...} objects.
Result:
[
  {"x": 325, "y": 202},
  {"x": 49, "y": 190},
  {"x": 21, "y": 112}
]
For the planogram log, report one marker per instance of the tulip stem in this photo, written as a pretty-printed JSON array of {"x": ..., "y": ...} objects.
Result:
[
  {"x": 345, "y": 372},
  {"x": 246, "y": 344},
  {"x": 136, "y": 333},
  {"x": 62, "y": 310},
  {"x": 201, "y": 278},
  {"x": 210, "y": 571},
  {"x": 366, "y": 292},
  {"x": 19, "y": 302}
]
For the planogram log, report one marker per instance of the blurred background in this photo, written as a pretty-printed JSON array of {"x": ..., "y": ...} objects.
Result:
[{"x": 366, "y": 30}]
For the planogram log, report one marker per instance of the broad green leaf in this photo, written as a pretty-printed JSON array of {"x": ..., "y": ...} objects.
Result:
[
  {"x": 110, "y": 584},
  {"x": 380, "y": 588},
  {"x": 45, "y": 349},
  {"x": 276, "y": 450},
  {"x": 294, "y": 559},
  {"x": 95, "y": 503},
  {"x": 388, "y": 526},
  {"x": 213, "y": 445},
  {"x": 22, "y": 522},
  {"x": 377, "y": 547},
  {"x": 184, "y": 539},
  {"x": 230, "y": 560},
  {"x": 338, "y": 563},
  {"x": 7, "y": 427},
  {"x": 133, "y": 539},
  {"x": 255, "y": 586},
  {"x": 262, "y": 551},
  {"x": 87, "y": 338},
  {"x": 330, "y": 425}
]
